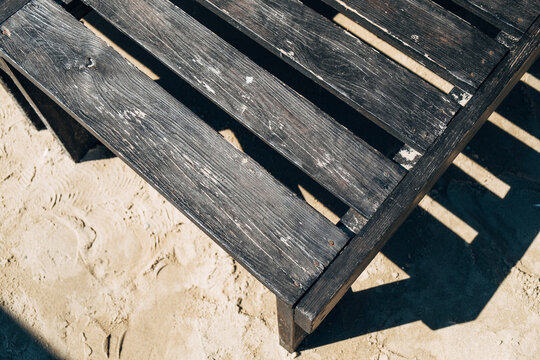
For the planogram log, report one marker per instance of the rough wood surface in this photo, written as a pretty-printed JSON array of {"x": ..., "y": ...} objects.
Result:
[
  {"x": 514, "y": 16},
  {"x": 353, "y": 220},
  {"x": 338, "y": 277},
  {"x": 281, "y": 240},
  {"x": 341, "y": 162},
  {"x": 399, "y": 101},
  {"x": 430, "y": 34},
  {"x": 9, "y": 7}
]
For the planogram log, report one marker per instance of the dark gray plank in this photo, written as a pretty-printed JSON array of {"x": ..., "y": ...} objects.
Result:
[
  {"x": 348, "y": 265},
  {"x": 9, "y": 7},
  {"x": 353, "y": 221},
  {"x": 402, "y": 103},
  {"x": 510, "y": 15},
  {"x": 430, "y": 34},
  {"x": 344, "y": 164},
  {"x": 72, "y": 137},
  {"x": 281, "y": 240}
]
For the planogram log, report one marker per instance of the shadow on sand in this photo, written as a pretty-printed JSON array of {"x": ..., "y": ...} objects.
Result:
[
  {"x": 18, "y": 343},
  {"x": 450, "y": 281}
]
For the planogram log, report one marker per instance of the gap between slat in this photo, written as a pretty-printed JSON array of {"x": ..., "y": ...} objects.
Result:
[
  {"x": 393, "y": 53},
  {"x": 228, "y": 134}
]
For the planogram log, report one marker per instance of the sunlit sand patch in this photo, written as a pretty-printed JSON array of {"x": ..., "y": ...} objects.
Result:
[
  {"x": 393, "y": 53},
  {"x": 312, "y": 200},
  {"x": 532, "y": 81},
  {"x": 230, "y": 136},
  {"x": 381, "y": 271},
  {"x": 506, "y": 125},
  {"x": 482, "y": 175},
  {"x": 448, "y": 219}
]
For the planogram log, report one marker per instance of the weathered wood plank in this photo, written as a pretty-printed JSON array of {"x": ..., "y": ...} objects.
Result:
[
  {"x": 348, "y": 265},
  {"x": 9, "y": 7},
  {"x": 433, "y": 36},
  {"x": 353, "y": 221},
  {"x": 341, "y": 162},
  {"x": 405, "y": 105},
  {"x": 281, "y": 240},
  {"x": 514, "y": 16}
]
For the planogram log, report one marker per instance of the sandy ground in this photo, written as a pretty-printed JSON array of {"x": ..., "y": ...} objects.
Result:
[{"x": 94, "y": 264}]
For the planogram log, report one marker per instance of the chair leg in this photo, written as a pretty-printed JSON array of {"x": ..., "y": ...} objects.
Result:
[
  {"x": 290, "y": 334},
  {"x": 74, "y": 138},
  {"x": 31, "y": 114}
]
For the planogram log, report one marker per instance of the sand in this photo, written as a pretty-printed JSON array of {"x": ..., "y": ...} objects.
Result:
[{"x": 95, "y": 264}]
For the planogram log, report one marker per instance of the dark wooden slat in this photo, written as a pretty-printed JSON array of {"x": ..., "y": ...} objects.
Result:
[
  {"x": 9, "y": 7},
  {"x": 339, "y": 276},
  {"x": 514, "y": 16},
  {"x": 353, "y": 221},
  {"x": 405, "y": 105},
  {"x": 344, "y": 164},
  {"x": 430, "y": 34},
  {"x": 72, "y": 137},
  {"x": 280, "y": 239}
]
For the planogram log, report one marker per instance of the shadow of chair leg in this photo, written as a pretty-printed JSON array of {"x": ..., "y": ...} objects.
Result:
[{"x": 74, "y": 138}]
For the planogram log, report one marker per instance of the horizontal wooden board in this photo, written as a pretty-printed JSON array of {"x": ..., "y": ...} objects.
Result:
[
  {"x": 281, "y": 240},
  {"x": 356, "y": 256},
  {"x": 341, "y": 162},
  {"x": 9, "y": 7},
  {"x": 508, "y": 15},
  {"x": 388, "y": 94},
  {"x": 430, "y": 34}
]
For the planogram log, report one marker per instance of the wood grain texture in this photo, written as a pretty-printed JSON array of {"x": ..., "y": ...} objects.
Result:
[
  {"x": 430, "y": 34},
  {"x": 405, "y": 105},
  {"x": 514, "y": 16},
  {"x": 9, "y": 7},
  {"x": 280, "y": 239},
  {"x": 339, "y": 276},
  {"x": 343, "y": 163},
  {"x": 353, "y": 220}
]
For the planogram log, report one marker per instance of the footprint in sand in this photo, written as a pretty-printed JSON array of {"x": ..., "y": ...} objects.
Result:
[{"x": 101, "y": 342}]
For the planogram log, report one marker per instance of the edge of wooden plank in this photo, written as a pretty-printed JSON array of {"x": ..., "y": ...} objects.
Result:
[
  {"x": 327, "y": 236},
  {"x": 358, "y": 253},
  {"x": 10, "y": 7},
  {"x": 494, "y": 19},
  {"x": 325, "y": 150},
  {"x": 422, "y": 49},
  {"x": 411, "y": 110}
]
